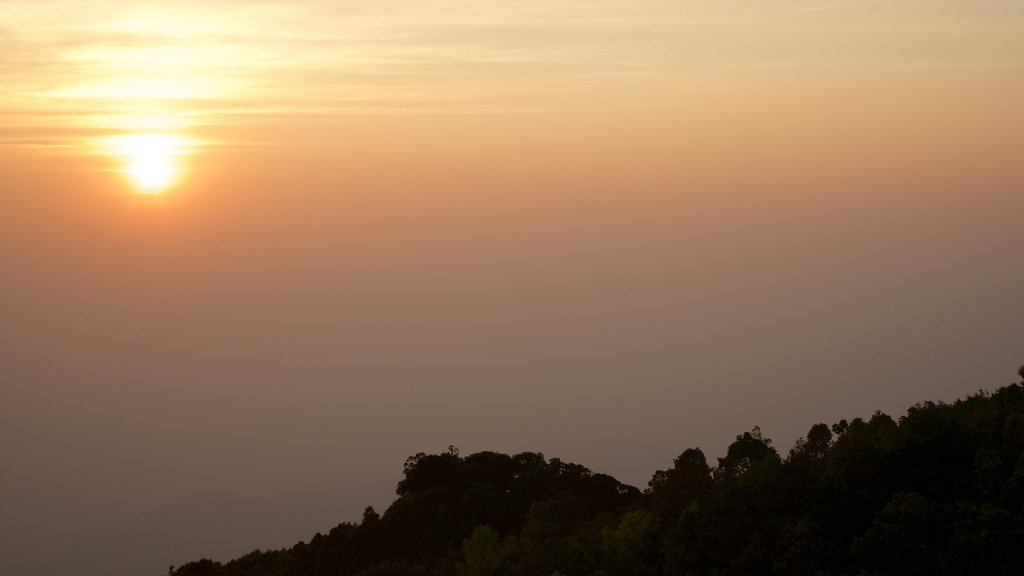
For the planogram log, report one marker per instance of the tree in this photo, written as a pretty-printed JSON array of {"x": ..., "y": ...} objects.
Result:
[
  {"x": 750, "y": 448},
  {"x": 631, "y": 548},
  {"x": 938, "y": 492},
  {"x": 813, "y": 447},
  {"x": 481, "y": 552},
  {"x": 672, "y": 490}
]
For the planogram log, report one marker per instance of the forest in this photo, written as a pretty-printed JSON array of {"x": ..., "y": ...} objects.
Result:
[{"x": 938, "y": 491}]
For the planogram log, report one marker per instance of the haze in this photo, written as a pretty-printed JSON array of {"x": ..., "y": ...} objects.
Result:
[{"x": 606, "y": 231}]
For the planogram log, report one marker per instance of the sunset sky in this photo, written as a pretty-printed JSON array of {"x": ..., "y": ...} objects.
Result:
[{"x": 270, "y": 246}]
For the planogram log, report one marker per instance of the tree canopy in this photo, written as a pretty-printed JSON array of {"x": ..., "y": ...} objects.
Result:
[{"x": 938, "y": 491}]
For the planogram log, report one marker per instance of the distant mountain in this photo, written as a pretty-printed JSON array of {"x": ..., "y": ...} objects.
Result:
[{"x": 219, "y": 525}]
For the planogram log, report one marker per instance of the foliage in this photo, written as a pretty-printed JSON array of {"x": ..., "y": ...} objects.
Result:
[{"x": 938, "y": 491}]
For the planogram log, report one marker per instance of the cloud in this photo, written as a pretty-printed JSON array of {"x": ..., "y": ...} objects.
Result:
[{"x": 203, "y": 63}]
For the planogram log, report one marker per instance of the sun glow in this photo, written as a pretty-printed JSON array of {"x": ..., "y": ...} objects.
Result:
[{"x": 151, "y": 161}]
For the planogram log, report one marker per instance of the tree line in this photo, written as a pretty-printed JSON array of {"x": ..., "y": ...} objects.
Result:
[{"x": 938, "y": 491}]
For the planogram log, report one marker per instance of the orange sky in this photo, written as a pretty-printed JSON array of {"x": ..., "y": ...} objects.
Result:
[
  {"x": 785, "y": 78},
  {"x": 606, "y": 230}
]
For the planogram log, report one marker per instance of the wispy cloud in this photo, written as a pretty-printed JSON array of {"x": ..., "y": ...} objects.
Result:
[{"x": 122, "y": 64}]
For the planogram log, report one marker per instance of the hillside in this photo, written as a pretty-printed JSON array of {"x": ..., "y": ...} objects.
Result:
[{"x": 938, "y": 491}]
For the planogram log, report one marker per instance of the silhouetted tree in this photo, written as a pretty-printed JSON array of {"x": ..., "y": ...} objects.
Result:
[
  {"x": 672, "y": 490},
  {"x": 940, "y": 491},
  {"x": 750, "y": 448}
]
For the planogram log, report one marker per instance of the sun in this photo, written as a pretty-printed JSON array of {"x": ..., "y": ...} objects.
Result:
[
  {"x": 151, "y": 161},
  {"x": 152, "y": 174}
]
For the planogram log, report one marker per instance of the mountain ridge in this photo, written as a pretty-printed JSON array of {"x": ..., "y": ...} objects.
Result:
[{"x": 938, "y": 491}]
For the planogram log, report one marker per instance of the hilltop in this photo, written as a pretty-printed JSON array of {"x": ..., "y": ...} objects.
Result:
[{"x": 940, "y": 490}]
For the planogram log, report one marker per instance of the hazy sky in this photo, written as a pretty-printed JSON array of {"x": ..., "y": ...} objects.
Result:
[{"x": 604, "y": 230}]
